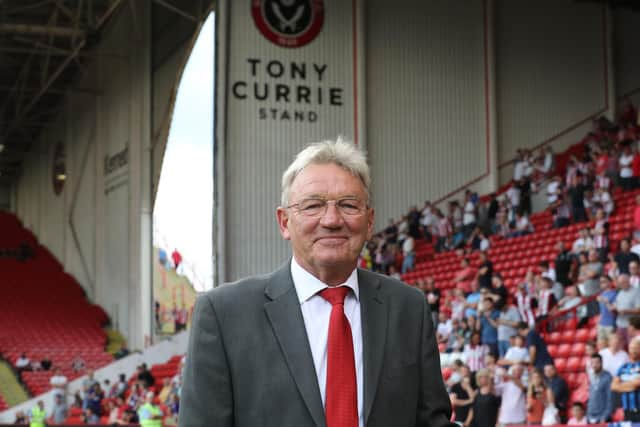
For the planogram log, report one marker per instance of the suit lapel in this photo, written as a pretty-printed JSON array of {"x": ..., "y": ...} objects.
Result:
[
  {"x": 283, "y": 311},
  {"x": 374, "y": 331}
]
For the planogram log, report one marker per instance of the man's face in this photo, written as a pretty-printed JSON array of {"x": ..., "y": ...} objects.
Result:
[
  {"x": 596, "y": 364},
  {"x": 633, "y": 268},
  {"x": 549, "y": 371},
  {"x": 332, "y": 240}
]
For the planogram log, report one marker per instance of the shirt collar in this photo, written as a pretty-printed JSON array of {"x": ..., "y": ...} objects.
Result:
[{"x": 307, "y": 285}]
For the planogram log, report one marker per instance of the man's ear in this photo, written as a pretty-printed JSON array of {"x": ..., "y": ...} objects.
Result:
[
  {"x": 282, "y": 216},
  {"x": 371, "y": 215}
]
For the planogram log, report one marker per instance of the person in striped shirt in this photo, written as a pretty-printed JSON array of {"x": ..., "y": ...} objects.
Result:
[{"x": 627, "y": 383}]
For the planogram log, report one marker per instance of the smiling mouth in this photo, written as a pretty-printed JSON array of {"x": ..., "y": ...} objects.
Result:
[{"x": 332, "y": 238}]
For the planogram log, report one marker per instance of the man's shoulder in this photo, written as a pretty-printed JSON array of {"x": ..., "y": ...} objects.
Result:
[
  {"x": 243, "y": 288},
  {"x": 389, "y": 285}
]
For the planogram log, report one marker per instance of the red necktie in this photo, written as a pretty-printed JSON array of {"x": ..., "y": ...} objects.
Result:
[{"x": 341, "y": 397}]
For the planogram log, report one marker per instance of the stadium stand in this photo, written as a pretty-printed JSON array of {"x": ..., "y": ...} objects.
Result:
[{"x": 44, "y": 312}]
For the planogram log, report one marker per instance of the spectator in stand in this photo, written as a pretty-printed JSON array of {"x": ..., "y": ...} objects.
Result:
[
  {"x": 443, "y": 231},
  {"x": 463, "y": 394},
  {"x": 121, "y": 386},
  {"x": 478, "y": 240},
  {"x": 499, "y": 292},
  {"x": 408, "y": 254},
  {"x": 488, "y": 319},
  {"x": 414, "y": 222},
  {"x": 547, "y": 271},
  {"x": 59, "y": 383},
  {"x": 59, "y": 411},
  {"x": 507, "y": 323},
  {"x": 458, "y": 304},
  {"x": 475, "y": 352},
  {"x": 23, "y": 363},
  {"x": 472, "y": 300},
  {"x": 554, "y": 191},
  {"x": 625, "y": 162},
  {"x": 606, "y": 303},
  {"x": 485, "y": 271},
  {"x": 625, "y": 256},
  {"x": 563, "y": 264},
  {"x": 603, "y": 198},
  {"x": 145, "y": 376},
  {"x": 600, "y": 404},
  {"x": 613, "y": 356},
  {"x": 486, "y": 404},
  {"x": 517, "y": 353},
  {"x": 513, "y": 392},
  {"x": 522, "y": 225},
  {"x": 627, "y": 304},
  {"x": 575, "y": 191},
  {"x": 391, "y": 232},
  {"x": 578, "y": 417},
  {"x": 433, "y": 297},
  {"x": 626, "y": 381},
  {"x": 525, "y": 303},
  {"x": 538, "y": 353},
  {"x": 561, "y": 212},
  {"x": 444, "y": 329},
  {"x": 539, "y": 397},
  {"x": 492, "y": 211},
  {"x": 469, "y": 218},
  {"x": 465, "y": 276},
  {"x": 558, "y": 387},
  {"x": 90, "y": 417},
  {"x": 583, "y": 243},
  {"x": 546, "y": 298},
  {"x": 589, "y": 276},
  {"x": 78, "y": 364},
  {"x": 21, "y": 418},
  {"x": 513, "y": 198},
  {"x": 570, "y": 300},
  {"x": 634, "y": 274},
  {"x": 428, "y": 220}
]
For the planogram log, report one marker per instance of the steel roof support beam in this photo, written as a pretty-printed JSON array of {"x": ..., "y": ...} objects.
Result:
[
  {"x": 41, "y": 30},
  {"x": 175, "y": 10}
]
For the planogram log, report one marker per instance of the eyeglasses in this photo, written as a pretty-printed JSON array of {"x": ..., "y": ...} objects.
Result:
[{"x": 316, "y": 206}]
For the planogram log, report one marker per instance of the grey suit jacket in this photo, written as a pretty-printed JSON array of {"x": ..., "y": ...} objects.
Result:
[{"x": 249, "y": 362}]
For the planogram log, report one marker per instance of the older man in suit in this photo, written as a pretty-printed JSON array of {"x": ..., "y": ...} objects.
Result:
[{"x": 317, "y": 342}]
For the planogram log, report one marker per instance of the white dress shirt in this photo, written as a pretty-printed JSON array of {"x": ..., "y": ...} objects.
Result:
[{"x": 316, "y": 312}]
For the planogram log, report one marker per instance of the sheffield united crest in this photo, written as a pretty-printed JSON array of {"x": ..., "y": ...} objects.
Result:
[{"x": 288, "y": 23}]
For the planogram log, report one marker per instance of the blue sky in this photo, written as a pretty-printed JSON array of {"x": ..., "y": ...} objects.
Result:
[{"x": 183, "y": 208}]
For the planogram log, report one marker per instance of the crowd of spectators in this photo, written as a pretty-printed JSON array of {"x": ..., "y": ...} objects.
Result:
[
  {"x": 500, "y": 365},
  {"x": 121, "y": 402}
]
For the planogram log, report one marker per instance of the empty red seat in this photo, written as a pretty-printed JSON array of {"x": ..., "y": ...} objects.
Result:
[
  {"x": 564, "y": 350},
  {"x": 553, "y": 338},
  {"x": 560, "y": 363},
  {"x": 582, "y": 335},
  {"x": 575, "y": 364},
  {"x": 553, "y": 350},
  {"x": 578, "y": 349}
]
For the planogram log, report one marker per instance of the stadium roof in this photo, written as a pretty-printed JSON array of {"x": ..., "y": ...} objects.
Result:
[{"x": 47, "y": 45}]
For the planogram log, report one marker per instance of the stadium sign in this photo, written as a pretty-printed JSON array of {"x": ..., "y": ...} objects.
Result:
[{"x": 288, "y": 23}]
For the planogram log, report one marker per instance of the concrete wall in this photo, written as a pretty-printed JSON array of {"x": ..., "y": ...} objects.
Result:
[
  {"x": 551, "y": 71},
  {"x": 627, "y": 60},
  {"x": 426, "y": 111},
  {"x": 99, "y": 226}
]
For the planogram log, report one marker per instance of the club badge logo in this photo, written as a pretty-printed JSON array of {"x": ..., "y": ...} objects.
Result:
[{"x": 288, "y": 23}]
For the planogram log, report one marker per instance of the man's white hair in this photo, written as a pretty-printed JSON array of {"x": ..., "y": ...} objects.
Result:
[{"x": 339, "y": 152}]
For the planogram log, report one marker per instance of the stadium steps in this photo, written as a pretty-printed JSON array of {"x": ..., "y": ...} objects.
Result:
[{"x": 11, "y": 391}]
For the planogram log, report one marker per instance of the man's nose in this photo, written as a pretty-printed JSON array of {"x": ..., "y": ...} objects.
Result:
[{"x": 332, "y": 217}]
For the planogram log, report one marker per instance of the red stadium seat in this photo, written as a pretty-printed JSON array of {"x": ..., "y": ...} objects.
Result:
[
  {"x": 553, "y": 350},
  {"x": 582, "y": 335},
  {"x": 578, "y": 349},
  {"x": 561, "y": 364},
  {"x": 575, "y": 364},
  {"x": 564, "y": 350}
]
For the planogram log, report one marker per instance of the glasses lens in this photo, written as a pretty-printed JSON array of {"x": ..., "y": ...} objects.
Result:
[{"x": 317, "y": 207}]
